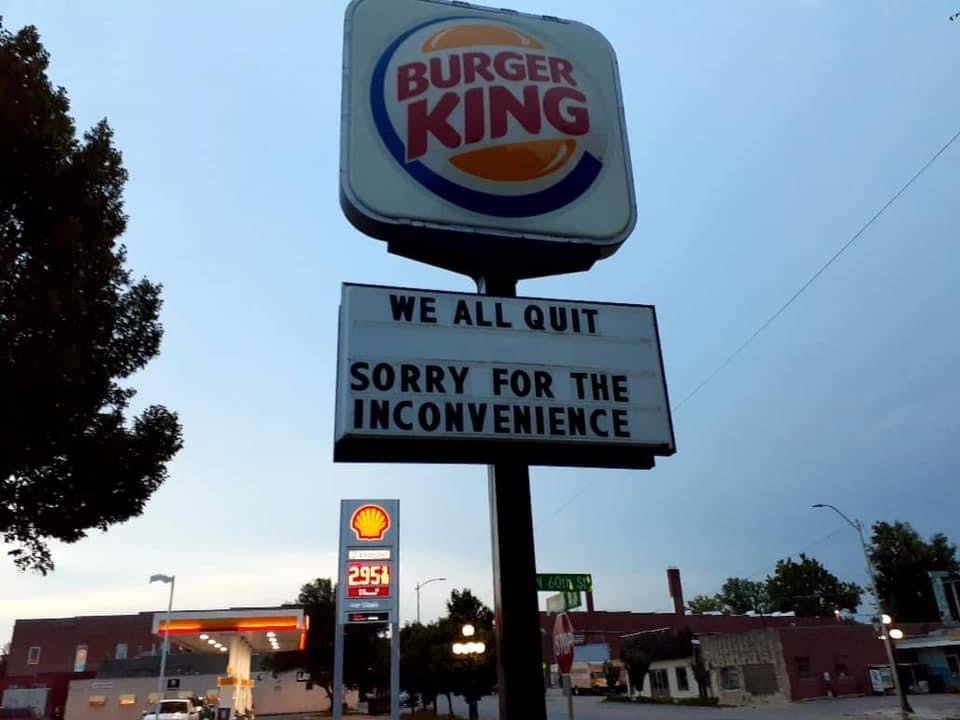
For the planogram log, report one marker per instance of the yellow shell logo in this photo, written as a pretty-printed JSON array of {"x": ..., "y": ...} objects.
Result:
[{"x": 370, "y": 522}]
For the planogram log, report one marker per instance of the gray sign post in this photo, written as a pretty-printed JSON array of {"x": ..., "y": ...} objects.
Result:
[{"x": 368, "y": 583}]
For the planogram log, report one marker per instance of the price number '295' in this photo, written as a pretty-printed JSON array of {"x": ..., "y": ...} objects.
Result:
[{"x": 368, "y": 574}]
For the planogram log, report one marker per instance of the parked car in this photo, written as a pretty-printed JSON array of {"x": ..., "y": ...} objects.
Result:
[{"x": 173, "y": 710}]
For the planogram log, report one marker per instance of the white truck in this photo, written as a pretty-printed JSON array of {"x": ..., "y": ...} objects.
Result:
[{"x": 173, "y": 710}]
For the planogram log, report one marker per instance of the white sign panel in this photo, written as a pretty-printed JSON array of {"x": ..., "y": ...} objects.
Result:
[
  {"x": 444, "y": 377},
  {"x": 464, "y": 125}
]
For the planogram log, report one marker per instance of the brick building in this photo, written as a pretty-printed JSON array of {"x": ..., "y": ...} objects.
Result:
[{"x": 47, "y": 654}]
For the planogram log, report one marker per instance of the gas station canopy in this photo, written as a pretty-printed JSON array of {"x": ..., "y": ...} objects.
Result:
[{"x": 264, "y": 630}]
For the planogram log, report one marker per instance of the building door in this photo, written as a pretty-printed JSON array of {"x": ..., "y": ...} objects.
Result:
[{"x": 659, "y": 683}]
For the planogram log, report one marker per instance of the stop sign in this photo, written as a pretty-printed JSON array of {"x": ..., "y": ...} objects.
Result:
[{"x": 563, "y": 643}]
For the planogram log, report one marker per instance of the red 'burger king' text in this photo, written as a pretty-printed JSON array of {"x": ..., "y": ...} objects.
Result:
[{"x": 474, "y": 79}]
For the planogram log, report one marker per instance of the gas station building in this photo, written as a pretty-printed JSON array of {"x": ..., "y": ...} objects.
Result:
[{"x": 106, "y": 667}]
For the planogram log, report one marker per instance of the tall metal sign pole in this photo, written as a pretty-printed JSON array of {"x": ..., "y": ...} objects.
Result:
[
  {"x": 368, "y": 580},
  {"x": 519, "y": 649},
  {"x": 493, "y": 144}
]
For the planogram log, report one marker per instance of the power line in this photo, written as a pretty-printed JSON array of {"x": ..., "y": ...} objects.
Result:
[{"x": 813, "y": 278}]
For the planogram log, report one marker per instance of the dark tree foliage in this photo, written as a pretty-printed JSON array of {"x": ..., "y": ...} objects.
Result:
[
  {"x": 742, "y": 596},
  {"x": 637, "y": 660},
  {"x": 808, "y": 589},
  {"x": 73, "y": 324},
  {"x": 903, "y": 559},
  {"x": 362, "y": 661},
  {"x": 428, "y": 667},
  {"x": 700, "y": 604}
]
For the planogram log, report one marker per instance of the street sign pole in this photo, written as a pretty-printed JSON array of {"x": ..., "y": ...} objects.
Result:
[
  {"x": 569, "y": 686},
  {"x": 519, "y": 653}
]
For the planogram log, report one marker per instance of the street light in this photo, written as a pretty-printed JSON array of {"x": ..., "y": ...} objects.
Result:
[
  {"x": 420, "y": 585},
  {"x": 905, "y": 708},
  {"x": 171, "y": 581}
]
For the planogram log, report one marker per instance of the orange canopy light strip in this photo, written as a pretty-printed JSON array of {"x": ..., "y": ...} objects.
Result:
[
  {"x": 185, "y": 627},
  {"x": 303, "y": 641}
]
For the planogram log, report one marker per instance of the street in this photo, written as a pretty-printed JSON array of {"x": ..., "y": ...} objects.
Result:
[{"x": 865, "y": 708}]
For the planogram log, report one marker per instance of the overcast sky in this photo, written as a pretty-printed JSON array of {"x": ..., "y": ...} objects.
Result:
[{"x": 763, "y": 134}]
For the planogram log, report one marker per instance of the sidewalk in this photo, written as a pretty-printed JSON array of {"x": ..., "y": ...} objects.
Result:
[{"x": 922, "y": 711}]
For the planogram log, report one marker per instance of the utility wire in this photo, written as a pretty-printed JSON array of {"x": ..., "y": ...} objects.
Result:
[{"x": 813, "y": 278}]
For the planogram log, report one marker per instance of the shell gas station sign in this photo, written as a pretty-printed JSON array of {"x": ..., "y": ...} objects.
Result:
[
  {"x": 368, "y": 579},
  {"x": 507, "y": 127}
]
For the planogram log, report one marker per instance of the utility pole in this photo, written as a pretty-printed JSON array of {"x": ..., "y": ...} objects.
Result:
[{"x": 905, "y": 708}]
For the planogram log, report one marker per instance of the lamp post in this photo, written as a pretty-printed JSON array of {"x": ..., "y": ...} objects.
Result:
[
  {"x": 470, "y": 650},
  {"x": 905, "y": 708},
  {"x": 420, "y": 585},
  {"x": 171, "y": 581}
]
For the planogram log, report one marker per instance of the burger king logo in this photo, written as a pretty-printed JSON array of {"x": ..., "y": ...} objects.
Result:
[
  {"x": 489, "y": 117},
  {"x": 370, "y": 522}
]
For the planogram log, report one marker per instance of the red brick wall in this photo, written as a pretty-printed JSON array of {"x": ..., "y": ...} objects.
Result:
[
  {"x": 607, "y": 627},
  {"x": 825, "y": 647},
  {"x": 58, "y": 640}
]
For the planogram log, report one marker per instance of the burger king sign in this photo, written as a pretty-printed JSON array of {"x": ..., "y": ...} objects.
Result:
[{"x": 483, "y": 140}]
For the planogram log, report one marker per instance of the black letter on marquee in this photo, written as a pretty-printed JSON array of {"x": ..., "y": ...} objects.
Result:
[
  {"x": 398, "y": 415},
  {"x": 556, "y": 420},
  {"x": 478, "y": 414},
  {"x": 591, "y": 316},
  {"x": 598, "y": 413},
  {"x": 620, "y": 388},
  {"x": 579, "y": 378},
  {"x": 379, "y": 414},
  {"x": 577, "y": 421},
  {"x": 458, "y": 379},
  {"x": 358, "y": 414},
  {"x": 499, "y": 379},
  {"x": 402, "y": 306},
  {"x": 462, "y": 314},
  {"x": 362, "y": 382},
  {"x": 501, "y": 419},
  {"x": 533, "y": 317},
  {"x": 454, "y": 414},
  {"x": 621, "y": 423},
  {"x": 429, "y": 416},
  {"x": 428, "y": 310}
]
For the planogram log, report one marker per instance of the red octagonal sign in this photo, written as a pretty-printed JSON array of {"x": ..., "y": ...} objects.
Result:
[{"x": 563, "y": 643}]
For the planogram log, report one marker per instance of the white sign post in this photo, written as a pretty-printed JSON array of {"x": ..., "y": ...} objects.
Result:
[{"x": 444, "y": 377}]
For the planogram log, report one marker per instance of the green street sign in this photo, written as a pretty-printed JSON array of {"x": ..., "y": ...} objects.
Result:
[
  {"x": 560, "y": 582},
  {"x": 571, "y": 600}
]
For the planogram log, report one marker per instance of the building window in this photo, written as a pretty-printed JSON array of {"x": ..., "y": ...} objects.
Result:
[
  {"x": 953, "y": 662},
  {"x": 121, "y": 652},
  {"x": 840, "y": 668},
  {"x": 659, "y": 683},
  {"x": 33, "y": 655},
  {"x": 682, "y": 683},
  {"x": 80, "y": 659},
  {"x": 803, "y": 667},
  {"x": 128, "y": 699},
  {"x": 729, "y": 678}
]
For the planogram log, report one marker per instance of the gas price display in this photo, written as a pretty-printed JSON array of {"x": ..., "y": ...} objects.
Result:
[{"x": 368, "y": 579}]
